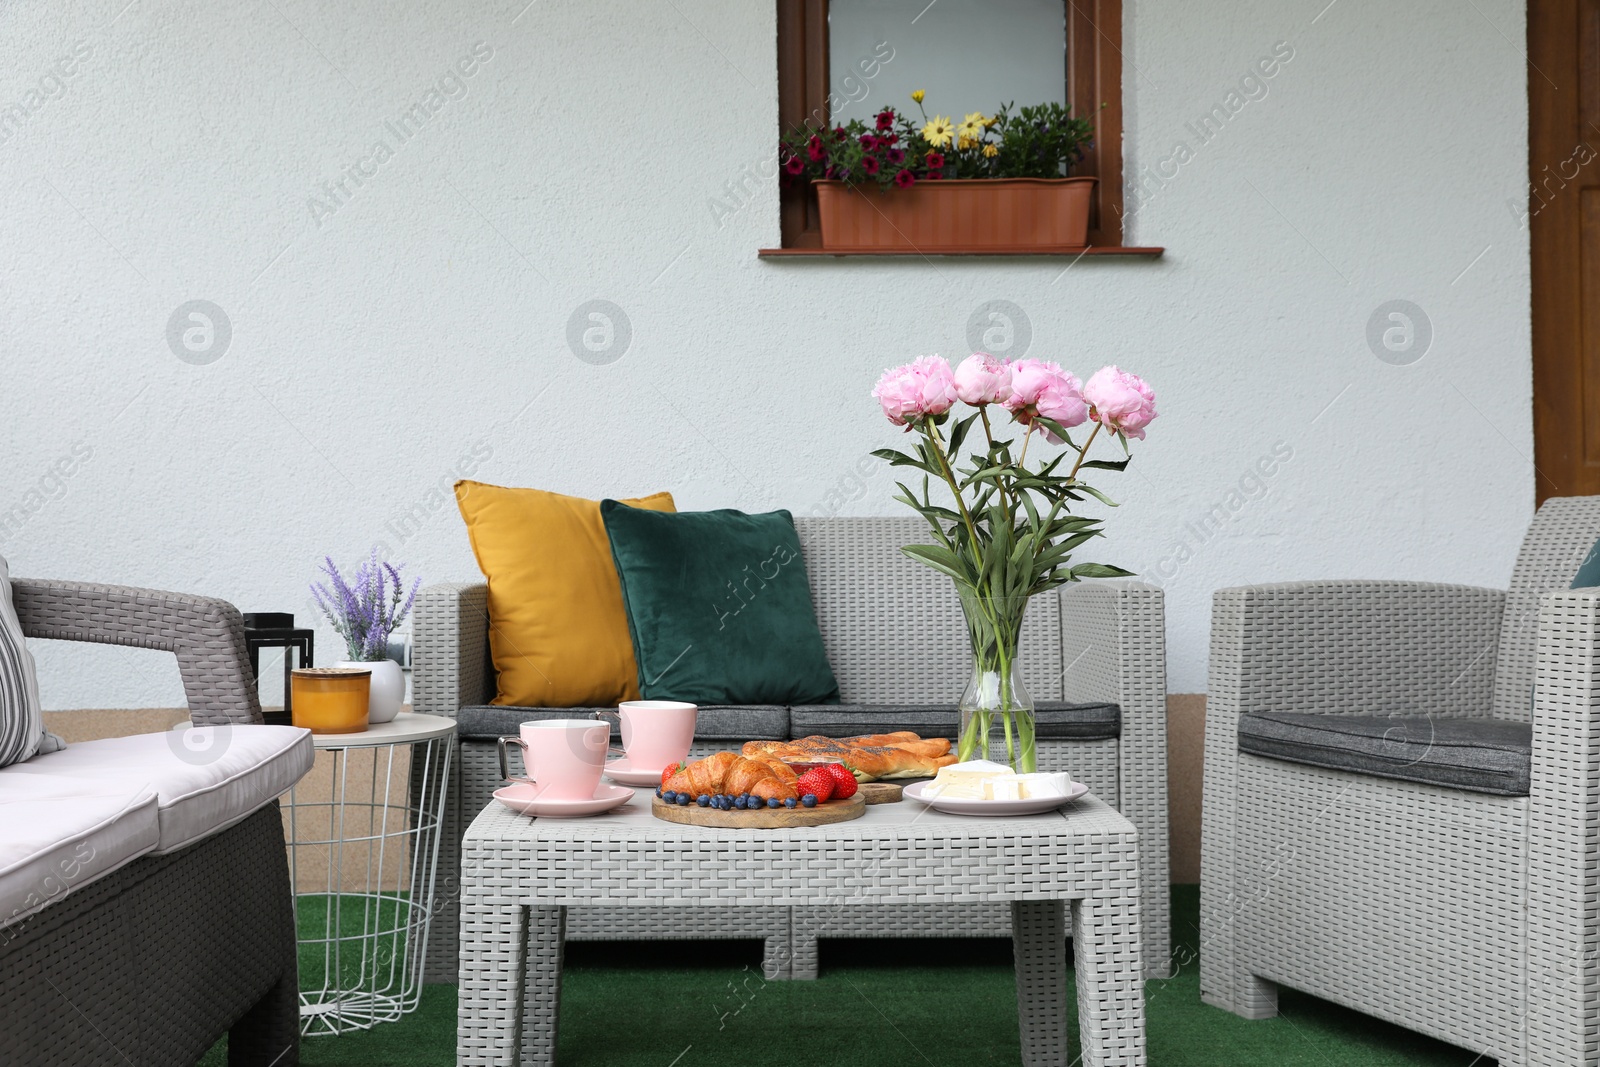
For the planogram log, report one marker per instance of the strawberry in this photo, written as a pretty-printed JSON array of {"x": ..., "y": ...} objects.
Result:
[
  {"x": 844, "y": 783},
  {"x": 666, "y": 775},
  {"x": 818, "y": 782}
]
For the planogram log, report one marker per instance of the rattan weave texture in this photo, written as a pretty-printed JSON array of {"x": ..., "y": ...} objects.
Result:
[
  {"x": 520, "y": 876},
  {"x": 206, "y": 634},
  {"x": 894, "y": 634},
  {"x": 151, "y": 964},
  {"x": 1470, "y": 917}
]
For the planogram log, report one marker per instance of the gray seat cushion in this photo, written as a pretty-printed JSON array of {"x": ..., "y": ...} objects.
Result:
[
  {"x": 1477, "y": 755},
  {"x": 713, "y": 723},
  {"x": 1054, "y": 721}
]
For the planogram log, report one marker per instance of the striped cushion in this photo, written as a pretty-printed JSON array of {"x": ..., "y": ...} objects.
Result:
[{"x": 21, "y": 720}]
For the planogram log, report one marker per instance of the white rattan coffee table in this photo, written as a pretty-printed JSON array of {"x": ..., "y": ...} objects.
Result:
[{"x": 519, "y": 875}]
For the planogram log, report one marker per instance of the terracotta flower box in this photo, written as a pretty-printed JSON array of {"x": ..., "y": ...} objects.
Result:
[{"x": 958, "y": 215}]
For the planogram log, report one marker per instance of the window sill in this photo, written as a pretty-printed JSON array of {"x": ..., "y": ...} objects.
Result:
[{"x": 812, "y": 253}]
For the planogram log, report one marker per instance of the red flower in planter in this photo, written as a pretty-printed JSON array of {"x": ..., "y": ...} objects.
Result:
[
  {"x": 886, "y": 119},
  {"x": 892, "y": 138},
  {"x": 935, "y": 161},
  {"x": 869, "y": 142},
  {"x": 815, "y": 150},
  {"x": 794, "y": 165},
  {"x": 896, "y": 156},
  {"x": 870, "y": 164},
  {"x": 904, "y": 180}
]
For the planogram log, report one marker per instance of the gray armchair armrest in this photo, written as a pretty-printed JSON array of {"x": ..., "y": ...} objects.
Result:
[
  {"x": 450, "y": 663},
  {"x": 1114, "y": 649},
  {"x": 1355, "y": 647},
  {"x": 206, "y": 634}
]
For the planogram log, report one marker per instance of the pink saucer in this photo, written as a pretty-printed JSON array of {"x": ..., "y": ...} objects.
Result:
[
  {"x": 618, "y": 770},
  {"x": 524, "y": 799}
]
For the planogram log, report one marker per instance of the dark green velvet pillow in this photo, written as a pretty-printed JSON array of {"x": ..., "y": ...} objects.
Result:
[{"x": 719, "y": 607}]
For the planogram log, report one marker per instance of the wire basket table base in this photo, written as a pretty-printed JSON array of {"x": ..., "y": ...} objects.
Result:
[{"x": 363, "y": 835}]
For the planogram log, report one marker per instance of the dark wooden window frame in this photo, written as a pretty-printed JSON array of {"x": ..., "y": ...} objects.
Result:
[{"x": 1094, "y": 78}]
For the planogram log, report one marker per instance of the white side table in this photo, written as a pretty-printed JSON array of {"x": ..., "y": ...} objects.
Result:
[{"x": 363, "y": 851}]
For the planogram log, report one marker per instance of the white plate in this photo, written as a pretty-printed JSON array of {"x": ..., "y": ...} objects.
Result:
[
  {"x": 618, "y": 770},
  {"x": 953, "y": 806},
  {"x": 524, "y": 799}
]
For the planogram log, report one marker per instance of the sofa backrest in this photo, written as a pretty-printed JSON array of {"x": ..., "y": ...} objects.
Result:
[
  {"x": 1561, "y": 535},
  {"x": 892, "y": 627}
]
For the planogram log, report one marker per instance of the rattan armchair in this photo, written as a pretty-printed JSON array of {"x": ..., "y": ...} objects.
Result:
[
  {"x": 151, "y": 964},
  {"x": 1467, "y": 912}
]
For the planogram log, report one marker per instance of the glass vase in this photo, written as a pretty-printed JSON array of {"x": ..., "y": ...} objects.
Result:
[{"x": 996, "y": 710}]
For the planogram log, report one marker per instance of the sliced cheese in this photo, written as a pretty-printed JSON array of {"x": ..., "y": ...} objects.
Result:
[
  {"x": 966, "y": 781},
  {"x": 1044, "y": 784}
]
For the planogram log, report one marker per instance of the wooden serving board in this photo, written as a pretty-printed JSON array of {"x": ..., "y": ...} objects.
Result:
[
  {"x": 763, "y": 818},
  {"x": 879, "y": 792}
]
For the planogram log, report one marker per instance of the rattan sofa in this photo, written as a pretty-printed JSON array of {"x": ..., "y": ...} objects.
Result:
[
  {"x": 1094, "y": 655},
  {"x": 1402, "y": 790},
  {"x": 146, "y": 956}
]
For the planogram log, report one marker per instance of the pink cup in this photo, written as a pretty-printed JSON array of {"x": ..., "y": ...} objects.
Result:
[
  {"x": 656, "y": 733},
  {"x": 563, "y": 757}
]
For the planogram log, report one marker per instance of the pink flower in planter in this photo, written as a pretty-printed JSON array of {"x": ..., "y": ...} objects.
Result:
[
  {"x": 1121, "y": 402},
  {"x": 983, "y": 379},
  {"x": 921, "y": 388},
  {"x": 1041, "y": 388}
]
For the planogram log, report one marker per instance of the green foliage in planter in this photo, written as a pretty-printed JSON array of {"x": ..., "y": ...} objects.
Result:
[{"x": 1041, "y": 141}]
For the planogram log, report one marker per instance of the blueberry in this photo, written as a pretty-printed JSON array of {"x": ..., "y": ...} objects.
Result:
[
  {"x": 702, "y": 800},
  {"x": 773, "y": 802},
  {"x": 683, "y": 799},
  {"x": 670, "y": 797},
  {"x": 790, "y": 802},
  {"x": 739, "y": 803},
  {"x": 658, "y": 790},
  {"x": 745, "y": 797},
  {"x": 809, "y": 800}
]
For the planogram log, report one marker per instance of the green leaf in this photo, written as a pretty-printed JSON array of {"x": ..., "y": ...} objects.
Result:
[
  {"x": 1097, "y": 494},
  {"x": 1107, "y": 464},
  {"x": 1099, "y": 570},
  {"x": 940, "y": 559},
  {"x": 958, "y": 433}
]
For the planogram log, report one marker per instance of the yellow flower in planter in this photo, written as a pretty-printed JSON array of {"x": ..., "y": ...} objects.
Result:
[
  {"x": 990, "y": 151},
  {"x": 964, "y": 142},
  {"x": 972, "y": 126},
  {"x": 917, "y": 95},
  {"x": 939, "y": 131}
]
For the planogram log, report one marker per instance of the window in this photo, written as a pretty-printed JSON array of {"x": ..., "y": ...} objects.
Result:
[{"x": 843, "y": 59}]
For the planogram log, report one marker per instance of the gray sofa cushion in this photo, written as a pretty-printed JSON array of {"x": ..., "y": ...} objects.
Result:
[
  {"x": 1054, "y": 721},
  {"x": 1477, "y": 755},
  {"x": 713, "y": 723}
]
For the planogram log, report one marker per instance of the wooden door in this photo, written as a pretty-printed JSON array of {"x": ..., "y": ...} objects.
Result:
[{"x": 1563, "y": 216}]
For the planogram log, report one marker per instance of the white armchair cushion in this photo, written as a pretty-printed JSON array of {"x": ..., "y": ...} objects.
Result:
[
  {"x": 206, "y": 777},
  {"x": 55, "y": 838}
]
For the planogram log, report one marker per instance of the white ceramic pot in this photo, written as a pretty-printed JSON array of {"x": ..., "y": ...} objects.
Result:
[{"x": 388, "y": 688}]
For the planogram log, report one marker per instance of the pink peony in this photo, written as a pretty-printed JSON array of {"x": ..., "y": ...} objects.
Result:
[
  {"x": 983, "y": 379},
  {"x": 1040, "y": 388},
  {"x": 920, "y": 388},
  {"x": 1121, "y": 402}
]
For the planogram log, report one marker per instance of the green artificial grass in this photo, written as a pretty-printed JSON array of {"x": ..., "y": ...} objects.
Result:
[{"x": 700, "y": 1004}]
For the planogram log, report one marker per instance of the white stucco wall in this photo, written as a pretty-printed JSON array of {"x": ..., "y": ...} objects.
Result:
[{"x": 418, "y": 325}]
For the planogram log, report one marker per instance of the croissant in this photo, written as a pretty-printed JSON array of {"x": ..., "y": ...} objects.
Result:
[
  {"x": 870, "y": 757},
  {"x": 729, "y": 772},
  {"x": 702, "y": 776}
]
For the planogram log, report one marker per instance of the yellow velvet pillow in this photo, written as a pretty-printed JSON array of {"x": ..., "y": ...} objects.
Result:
[{"x": 557, "y": 628}]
